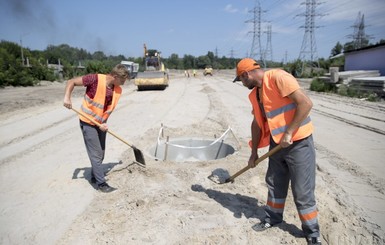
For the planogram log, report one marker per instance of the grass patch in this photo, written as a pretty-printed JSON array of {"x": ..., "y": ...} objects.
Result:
[{"x": 318, "y": 85}]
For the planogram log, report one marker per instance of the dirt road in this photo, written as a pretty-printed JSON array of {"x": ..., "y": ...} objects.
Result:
[{"x": 47, "y": 199}]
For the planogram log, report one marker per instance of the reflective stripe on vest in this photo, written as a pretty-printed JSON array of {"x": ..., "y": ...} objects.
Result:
[
  {"x": 280, "y": 110},
  {"x": 91, "y": 113},
  {"x": 282, "y": 129},
  {"x": 94, "y": 103},
  {"x": 95, "y": 107}
]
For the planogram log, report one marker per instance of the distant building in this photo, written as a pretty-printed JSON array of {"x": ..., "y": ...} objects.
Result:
[{"x": 368, "y": 58}]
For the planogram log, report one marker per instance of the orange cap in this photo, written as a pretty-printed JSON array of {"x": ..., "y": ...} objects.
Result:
[{"x": 245, "y": 65}]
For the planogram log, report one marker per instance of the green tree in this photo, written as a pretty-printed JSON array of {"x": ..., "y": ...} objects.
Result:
[
  {"x": 188, "y": 61},
  {"x": 202, "y": 62},
  {"x": 348, "y": 46},
  {"x": 337, "y": 49},
  {"x": 97, "y": 67},
  {"x": 98, "y": 55},
  {"x": 173, "y": 62},
  {"x": 211, "y": 57}
]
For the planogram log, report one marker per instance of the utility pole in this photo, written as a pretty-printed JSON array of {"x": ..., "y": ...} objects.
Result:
[
  {"x": 360, "y": 39},
  {"x": 309, "y": 48},
  {"x": 256, "y": 48},
  {"x": 232, "y": 53},
  {"x": 22, "y": 54},
  {"x": 214, "y": 65},
  {"x": 268, "y": 54},
  {"x": 21, "y": 48}
]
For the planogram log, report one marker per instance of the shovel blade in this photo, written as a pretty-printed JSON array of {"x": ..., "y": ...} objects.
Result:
[
  {"x": 219, "y": 176},
  {"x": 215, "y": 179},
  {"x": 139, "y": 156}
]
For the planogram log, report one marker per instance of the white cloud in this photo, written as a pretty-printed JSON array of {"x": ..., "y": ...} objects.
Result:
[{"x": 230, "y": 9}]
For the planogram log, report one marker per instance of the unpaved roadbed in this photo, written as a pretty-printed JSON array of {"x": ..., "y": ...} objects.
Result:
[{"x": 47, "y": 199}]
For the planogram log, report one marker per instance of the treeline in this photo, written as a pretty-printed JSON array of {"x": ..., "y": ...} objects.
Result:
[{"x": 24, "y": 67}]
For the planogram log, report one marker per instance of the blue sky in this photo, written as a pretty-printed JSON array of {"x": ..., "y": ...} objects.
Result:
[{"x": 183, "y": 27}]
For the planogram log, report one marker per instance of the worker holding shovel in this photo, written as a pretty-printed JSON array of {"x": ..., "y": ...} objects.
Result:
[
  {"x": 100, "y": 99},
  {"x": 281, "y": 117}
]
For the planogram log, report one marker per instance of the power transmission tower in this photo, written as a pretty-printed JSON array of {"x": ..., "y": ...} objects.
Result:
[
  {"x": 256, "y": 48},
  {"x": 268, "y": 54},
  {"x": 309, "y": 48},
  {"x": 232, "y": 53},
  {"x": 360, "y": 39}
]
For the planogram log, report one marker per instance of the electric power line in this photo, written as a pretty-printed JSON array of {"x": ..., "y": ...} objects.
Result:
[
  {"x": 360, "y": 39},
  {"x": 256, "y": 48},
  {"x": 268, "y": 54},
  {"x": 309, "y": 48}
]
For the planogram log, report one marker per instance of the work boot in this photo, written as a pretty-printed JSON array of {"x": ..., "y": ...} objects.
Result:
[
  {"x": 104, "y": 187},
  {"x": 261, "y": 226},
  {"x": 313, "y": 240}
]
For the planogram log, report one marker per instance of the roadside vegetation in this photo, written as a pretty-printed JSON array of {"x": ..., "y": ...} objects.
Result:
[
  {"x": 319, "y": 85},
  {"x": 24, "y": 67},
  {"x": 20, "y": 66}
]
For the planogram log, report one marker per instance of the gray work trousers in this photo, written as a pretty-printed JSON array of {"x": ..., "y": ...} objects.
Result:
[
  {"x": 95, "y": 141},
  {"x": 295, "y": 163}
]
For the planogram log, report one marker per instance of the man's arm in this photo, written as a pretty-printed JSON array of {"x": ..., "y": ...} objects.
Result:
[
  {"x": 255, "y": 138},
  {"x": 304, "y": 105},
  {"x": 78, "y": 81}
]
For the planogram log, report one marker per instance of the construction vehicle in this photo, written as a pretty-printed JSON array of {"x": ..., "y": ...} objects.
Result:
[
  {"x": 154, "y": 74},
  {"x": 208, "y": 71},
  {"x": 132, "y": 67}
]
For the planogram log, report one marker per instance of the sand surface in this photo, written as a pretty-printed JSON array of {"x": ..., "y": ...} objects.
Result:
[{"x": 46, "y": 197}]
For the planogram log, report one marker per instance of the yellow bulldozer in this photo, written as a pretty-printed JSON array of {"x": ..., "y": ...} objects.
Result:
[{"x": 154, "y": 75}]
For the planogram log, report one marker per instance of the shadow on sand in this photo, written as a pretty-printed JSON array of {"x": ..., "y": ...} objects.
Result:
[
  {"x": 85, "y": 173},
  {"x": 244, "y": 205}
]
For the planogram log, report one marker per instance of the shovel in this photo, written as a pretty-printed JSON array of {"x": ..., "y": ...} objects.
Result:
[
  {"x": 138, "y": 154},
  {"x": 215, "y": 179}
]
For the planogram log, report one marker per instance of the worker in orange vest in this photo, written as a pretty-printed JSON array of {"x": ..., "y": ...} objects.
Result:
[
  {"x": 100, "y": 99},
  {"x": 281, "y": 116}
]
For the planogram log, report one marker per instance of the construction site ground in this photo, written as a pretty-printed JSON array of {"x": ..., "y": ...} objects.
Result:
[{"x": 46, "y": 197}]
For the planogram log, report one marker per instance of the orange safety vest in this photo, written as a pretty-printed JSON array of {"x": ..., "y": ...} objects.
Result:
[
  {"x": 261, "y": 121},
  {"x": 95, "y": 107},
  {"x": 279, "y": 112}
]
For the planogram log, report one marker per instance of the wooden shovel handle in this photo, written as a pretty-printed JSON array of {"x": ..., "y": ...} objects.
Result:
[
  {"x": 98, "y": 124},
  {"x": 268, "y": 154}
]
